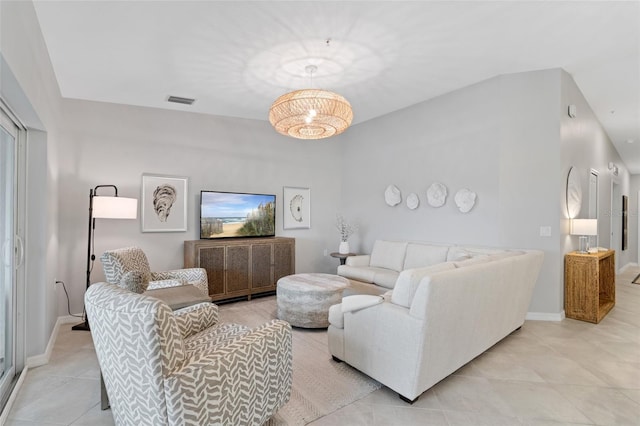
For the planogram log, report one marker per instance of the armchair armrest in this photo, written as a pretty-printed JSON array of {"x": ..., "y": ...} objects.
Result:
[
  {"x": 249, "y": 378},
  {"x": 195, "y": 318},
  {"x": 166, "y": 283},
  {"x": 359, "y": 260},
  {"x": 194, "y": 276}
]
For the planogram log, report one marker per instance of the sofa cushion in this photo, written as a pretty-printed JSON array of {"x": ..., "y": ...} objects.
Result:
[
  {"x": 462, "y": 253},
  {"x": 385, "y": 278},
  {"x": 388, "y": 255},
  {"x": 473, "y": 261},
  {"x": 421, "y": 255},
  {"x": 504, "y": 255},
  {"x": 409, "y": 280},
  {"x": 358, "y": 287},
  {"x": 368, "y": 274},
  {"x": 359, "y": 273},
  {"x": 456, "y": 254},
  {"x": 358, "y": 260}
]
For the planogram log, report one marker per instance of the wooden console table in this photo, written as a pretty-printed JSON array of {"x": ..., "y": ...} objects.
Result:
[
  {"x": 241, "y": 266},
  {"x": 589, "y": 285}
]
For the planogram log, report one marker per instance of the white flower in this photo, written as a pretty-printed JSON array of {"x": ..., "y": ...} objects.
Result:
[{"x": 346, "y": 229}]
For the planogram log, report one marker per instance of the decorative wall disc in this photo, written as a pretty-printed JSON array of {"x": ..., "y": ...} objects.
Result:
[
  {"x": 437, "y": 195},
  {"x": 392, "y": 195},
  {"x": 413, "y": 201},
  {"x": 465, "y": 200}
]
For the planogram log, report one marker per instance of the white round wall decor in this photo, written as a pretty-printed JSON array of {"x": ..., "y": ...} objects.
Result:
[
  {"x": 574, "y": 193},
  {"x": 465, "y": 200},
  {"x": 392, "y": 195},
  {"x": 413, "y": 201},
  {"x": 437, "y": 195}
]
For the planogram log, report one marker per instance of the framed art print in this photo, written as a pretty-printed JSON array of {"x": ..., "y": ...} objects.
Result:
[
  {"x": 164, "y": 203},
  {"x": 296, "y": 208},
  {"x": 625, "y": 215}
]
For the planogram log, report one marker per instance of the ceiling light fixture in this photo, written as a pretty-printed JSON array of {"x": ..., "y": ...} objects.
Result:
[{"x": 310, "y": 113}]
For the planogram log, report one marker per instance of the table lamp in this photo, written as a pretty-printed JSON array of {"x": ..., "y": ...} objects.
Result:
[{"x": 584, "y": 228}]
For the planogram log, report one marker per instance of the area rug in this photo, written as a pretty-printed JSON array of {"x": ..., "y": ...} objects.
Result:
[{"x": 320, "y": 385}]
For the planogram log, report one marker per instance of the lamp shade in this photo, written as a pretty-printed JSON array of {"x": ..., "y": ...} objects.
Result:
[
  {"x": 584, "y": 227},
  {"x": 311, "y": 114},
  {"x": 115, "y": 207}
]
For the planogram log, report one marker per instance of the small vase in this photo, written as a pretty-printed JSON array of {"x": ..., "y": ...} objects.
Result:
[{"x": 344, "y": 247}]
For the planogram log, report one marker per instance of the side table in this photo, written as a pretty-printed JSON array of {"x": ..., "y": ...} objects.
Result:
[
  {"x": 342, "y": 256},
  {"x": 589, "y": 285}
]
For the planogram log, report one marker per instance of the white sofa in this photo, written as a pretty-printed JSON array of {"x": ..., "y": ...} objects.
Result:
[
  {"x": 436, "y": 318},
  {"x": 388, "y": 259}
]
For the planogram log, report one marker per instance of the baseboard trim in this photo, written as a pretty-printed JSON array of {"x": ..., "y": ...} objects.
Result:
[
  {"x": 545, "y": 316},
  {"x": 42, "y": 359},
  {"x": 4, "y": 416},
  {"x": 627, "y": 266},
  {"x": 36, "y": 361}
]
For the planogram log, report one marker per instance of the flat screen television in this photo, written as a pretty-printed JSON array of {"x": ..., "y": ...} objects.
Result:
[{"x": 235, "y": 214}]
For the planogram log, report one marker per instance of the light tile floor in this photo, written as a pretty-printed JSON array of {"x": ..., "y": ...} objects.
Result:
[{"x": 548, "y": 373}]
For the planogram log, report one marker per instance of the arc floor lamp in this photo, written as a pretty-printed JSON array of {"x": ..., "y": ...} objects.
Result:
[{"x": 104, "y": 207}]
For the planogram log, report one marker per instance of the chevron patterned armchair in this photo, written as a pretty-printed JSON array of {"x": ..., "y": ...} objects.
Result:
[
  {"x": 164, "y": 367},
  {"x": 116, "y": 263}
]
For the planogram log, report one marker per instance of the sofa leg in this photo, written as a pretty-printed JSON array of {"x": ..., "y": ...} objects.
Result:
[
  {"x": 336, "y": 359},
  {"x": 407, "y": 400}
]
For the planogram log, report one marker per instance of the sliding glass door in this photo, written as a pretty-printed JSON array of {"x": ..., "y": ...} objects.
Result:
[{"x": 11, "y": 251}]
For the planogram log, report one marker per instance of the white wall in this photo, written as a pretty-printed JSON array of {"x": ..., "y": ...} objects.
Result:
[
  {"x": 29, "y": 87},
  {"x": 498, "y": 138},
  {"x": 114, "y": 144},
  {"x": 586, "y": 146},
  {"x": 634, "y": 218}
]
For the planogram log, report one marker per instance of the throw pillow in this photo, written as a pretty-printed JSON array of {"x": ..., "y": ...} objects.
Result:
[{"x": 134, "y": 281}]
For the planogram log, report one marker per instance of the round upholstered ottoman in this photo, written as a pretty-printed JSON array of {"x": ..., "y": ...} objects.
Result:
[{"x": 304, "y": 299}]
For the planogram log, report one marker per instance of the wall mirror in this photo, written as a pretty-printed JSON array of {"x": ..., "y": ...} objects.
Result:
[
  {"x": 574, "y": 193},
  {"x": 593, "y": 203}
]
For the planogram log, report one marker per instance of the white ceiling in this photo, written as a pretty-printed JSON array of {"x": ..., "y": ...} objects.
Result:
[{"x": 237, "y": 57}]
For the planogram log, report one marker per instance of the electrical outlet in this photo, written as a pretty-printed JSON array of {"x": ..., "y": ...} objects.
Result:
[{"x": 326, "y": 252}]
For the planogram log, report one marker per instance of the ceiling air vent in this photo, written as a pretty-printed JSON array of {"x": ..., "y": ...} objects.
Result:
[{"x": 179, "y": 100}]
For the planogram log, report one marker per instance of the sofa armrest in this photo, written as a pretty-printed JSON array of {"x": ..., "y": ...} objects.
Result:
[
  {"x": 195, "y": 318},
  {"x": 359, "y": 260},
  {"x": 359, "y": 301},
  {"x": 351, "y": 304},
  {"x": 194, "y": 276},
  {"x": 258, "y": 364}
]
